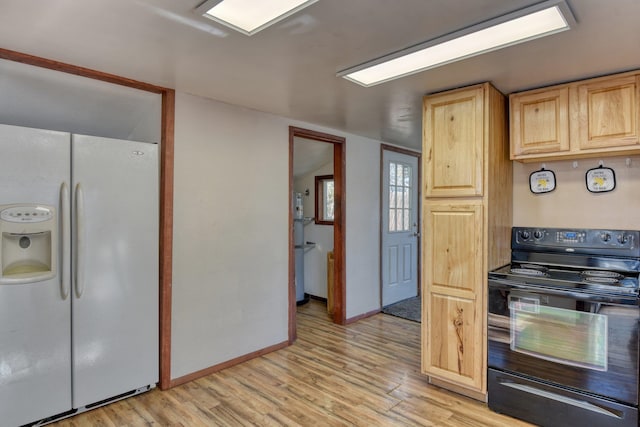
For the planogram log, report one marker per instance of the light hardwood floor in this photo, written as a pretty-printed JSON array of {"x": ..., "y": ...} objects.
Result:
[{"x": 363, "y": 374}]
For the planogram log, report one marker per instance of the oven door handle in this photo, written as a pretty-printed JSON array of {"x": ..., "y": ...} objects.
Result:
[
  {"x": 582, "y": 296},
  {"x": 560, "y": 398}
]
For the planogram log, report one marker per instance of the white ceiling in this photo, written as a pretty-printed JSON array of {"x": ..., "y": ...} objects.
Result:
[
  {"x": 310, "y": 155},
  {"x": 289, "y": 69}
]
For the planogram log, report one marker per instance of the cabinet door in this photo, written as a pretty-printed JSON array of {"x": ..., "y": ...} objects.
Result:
[
  {"x": 453, "y": 143},
  {"x": 453, "y": 336},
  {"x": 453, "y": 352},
  {"x": 609, "y": 113},
  {"x": 539, "y": 122}
]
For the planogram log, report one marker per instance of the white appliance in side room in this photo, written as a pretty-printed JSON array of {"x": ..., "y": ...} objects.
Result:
[
  {"x": 78, "y": 272},
  {"x": 301, "y": 246},
  {"x": 298, "y": 240}
]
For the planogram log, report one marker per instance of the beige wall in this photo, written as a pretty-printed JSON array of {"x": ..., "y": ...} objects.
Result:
[
  {"x": 571, "y": 204},
  {"x": 230, "y": 236}
]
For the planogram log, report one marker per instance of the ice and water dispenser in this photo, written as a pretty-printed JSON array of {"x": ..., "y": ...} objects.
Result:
[{"x": 28, "y": 247}]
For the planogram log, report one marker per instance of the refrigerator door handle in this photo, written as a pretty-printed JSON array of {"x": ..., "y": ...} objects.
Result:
[
  {"x": 79, "y": 251},
  {"x": 65, "y": 239}
]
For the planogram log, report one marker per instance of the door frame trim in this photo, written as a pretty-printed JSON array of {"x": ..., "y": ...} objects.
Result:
[
  {"x": 418, "y": 155},
  {"x": 165, "y": 256},
  {"x": 339, "y": 225}
]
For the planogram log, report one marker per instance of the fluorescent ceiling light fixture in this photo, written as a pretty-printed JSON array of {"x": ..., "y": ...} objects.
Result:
[
  {"x": 250, "y": 16},
  {"x": 542, "y": 19}
]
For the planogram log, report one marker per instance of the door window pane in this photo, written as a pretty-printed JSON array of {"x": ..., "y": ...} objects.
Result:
[
  {"x": 399, "y": 197},
  {"x": 392, "y": 173}
]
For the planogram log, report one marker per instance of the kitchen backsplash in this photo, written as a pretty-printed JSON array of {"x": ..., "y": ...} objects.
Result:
[{"x": 571, "y": 204}]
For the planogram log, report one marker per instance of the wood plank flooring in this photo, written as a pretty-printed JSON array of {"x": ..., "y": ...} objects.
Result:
[{"x": 363, "y": 374}]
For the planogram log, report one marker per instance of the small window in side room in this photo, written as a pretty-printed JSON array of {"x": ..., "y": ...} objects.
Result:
[{"x": 324, "y": 199}]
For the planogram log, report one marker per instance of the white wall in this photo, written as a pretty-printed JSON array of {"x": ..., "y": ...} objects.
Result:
[
  {"x": 571, "y": 204},
  {"x": 231, "y": 205},
  {"x": 363, "y": 226},
  {"x": 48, "y": 99},
  {"x": 230, "y": 233},
  {"x": 315, "y": 260}
]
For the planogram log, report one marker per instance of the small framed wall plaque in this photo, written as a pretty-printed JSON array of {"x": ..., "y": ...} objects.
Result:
[
  {"x": 600, "y": 179},
  {"x": 542, "y": 181}
]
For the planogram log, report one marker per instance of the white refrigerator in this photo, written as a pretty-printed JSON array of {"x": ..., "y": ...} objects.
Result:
[{"x": 79, "y": 249}]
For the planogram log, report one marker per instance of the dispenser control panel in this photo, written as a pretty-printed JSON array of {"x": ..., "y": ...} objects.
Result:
[
  {"x": 28, "y": 243},
  {"x": 33, "y": 213}
]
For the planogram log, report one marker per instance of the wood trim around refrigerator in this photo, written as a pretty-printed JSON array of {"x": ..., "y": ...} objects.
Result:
[{"x": 166, "y": 186}]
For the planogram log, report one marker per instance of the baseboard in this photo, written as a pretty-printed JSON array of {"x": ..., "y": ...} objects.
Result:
[
  {"x": 361, "y": 316},
  {"x": 316, "y": 298},
  {"x": 477, "y": 395},
  {"x": 229, "y": 363}
]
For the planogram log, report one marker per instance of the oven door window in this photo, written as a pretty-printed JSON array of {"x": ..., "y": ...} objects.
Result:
[{"x": 560, "y": 335}]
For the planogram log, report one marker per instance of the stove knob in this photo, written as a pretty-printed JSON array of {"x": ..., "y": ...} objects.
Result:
[
  {"x": 605, "y": 237},
  {"x": 623, "y": 238},
  {"x": 525, "y": 234},
  {"x": 537, "y": 234}
]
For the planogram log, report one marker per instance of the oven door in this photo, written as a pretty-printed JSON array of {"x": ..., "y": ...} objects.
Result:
[{"x": 564, "y": 338}]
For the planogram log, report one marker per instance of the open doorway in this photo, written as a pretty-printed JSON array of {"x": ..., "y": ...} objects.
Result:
[{"x": 335, "y": 183}]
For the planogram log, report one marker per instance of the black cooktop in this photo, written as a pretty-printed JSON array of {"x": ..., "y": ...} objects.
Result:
[
  {"x": 597, "y": 262},
  {"x": 579, "y": 279}
]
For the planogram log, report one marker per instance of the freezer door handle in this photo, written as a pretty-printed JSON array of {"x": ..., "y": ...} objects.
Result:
[
  {"x": 79, "y": 251},
  {"x": 65, "y": 239}
]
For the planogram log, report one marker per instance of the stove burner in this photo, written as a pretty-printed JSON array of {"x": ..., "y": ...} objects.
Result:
[
  {"x": 602, "y": 274},
  {"x": 534, "y": 267},
  {"x": 529, "y": 272},
  {"x": 602, "y": 280},
  {"x": 602, "y": 277}
]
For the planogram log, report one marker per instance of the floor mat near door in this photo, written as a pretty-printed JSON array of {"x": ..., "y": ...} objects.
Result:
[{"x": 407, "y": 309}]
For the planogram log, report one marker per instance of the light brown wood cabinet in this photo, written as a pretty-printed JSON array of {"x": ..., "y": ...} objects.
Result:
[
  {"x": 454, "y": 326},
  {"x": 466, "y": 230},
  {"x": 540, "y": 122},
  {"x": 452, "y": 125},
  {"x": 590, "y": 118}
]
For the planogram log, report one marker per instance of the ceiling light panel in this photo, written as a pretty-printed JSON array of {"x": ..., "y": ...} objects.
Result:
[
  {"x": 250, "y": 16},
  {"x": 540, "y": 20}
]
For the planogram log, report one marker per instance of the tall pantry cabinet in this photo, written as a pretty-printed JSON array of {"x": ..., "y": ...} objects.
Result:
[{"x": 467, "y": 182}]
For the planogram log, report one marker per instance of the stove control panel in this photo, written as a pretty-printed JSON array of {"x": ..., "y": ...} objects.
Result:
[
  {"x": 604, "y": 241},
  {"x": 571, "y": 236}
]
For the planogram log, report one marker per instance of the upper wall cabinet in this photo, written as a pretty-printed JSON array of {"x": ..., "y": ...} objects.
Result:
[
  {"x": 453, "y": 143},
  {"x": 608, "y": 113},
  {"x": 540, "y": 122},
  {"x": 590, "y": 118}
]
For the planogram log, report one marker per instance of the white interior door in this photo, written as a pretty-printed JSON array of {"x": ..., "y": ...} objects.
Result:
[
  {"x": 399, "y": 227},
  {"x": 115, "y": 295}
]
